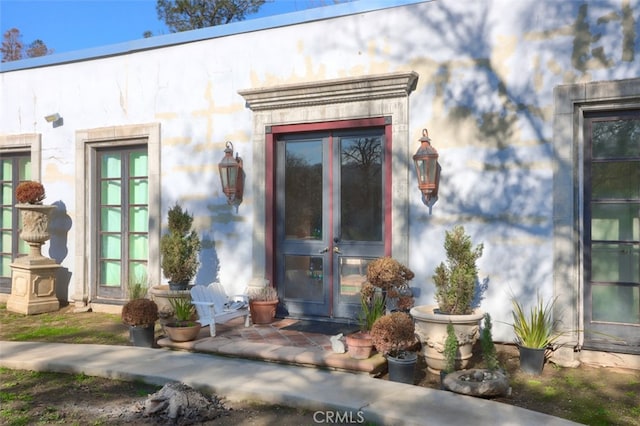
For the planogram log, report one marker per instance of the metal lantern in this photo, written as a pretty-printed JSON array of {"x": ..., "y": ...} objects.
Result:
[
  {"x": 426, "y": 161},
  {"x": 231, "y": 175}
]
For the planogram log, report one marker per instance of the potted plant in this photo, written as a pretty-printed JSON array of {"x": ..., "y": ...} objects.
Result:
[
  {"x": 392, "y": 278},
  {"x": 456, "y": 288},
  {"x": 483, "y": 382},
  {"x": 262, "y": 304},
  {"x": 393, "y": 335},
  {"x": 141, "y": 316},
  {"x": 183, "y": 328},
  {"x": 35, "y": 215},
  {"x": 360, "y": 344},
  {"x": 534, "y": 333},
  {"x": 179, "y": 249}
]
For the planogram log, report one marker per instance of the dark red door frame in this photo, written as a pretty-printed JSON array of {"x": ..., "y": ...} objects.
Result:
[{"x": 271, "y": 135}]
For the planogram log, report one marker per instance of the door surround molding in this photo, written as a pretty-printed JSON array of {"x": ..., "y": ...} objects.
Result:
[{"x": 353, "y": 98}]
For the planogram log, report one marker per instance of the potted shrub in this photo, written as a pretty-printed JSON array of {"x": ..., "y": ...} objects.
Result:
[
  {"x": 534, "y": 333},
  {"x": 456, "y": 288},
  {"x": 183, "y": 328},
  {"x": 483, "y": 382},
  {"x": 360, "y": 344},
  {"x": 141, "y": 316},
  {"x": 179, "y": 249},
  {"x": 35, "y": 215},
  {"x": 262, "y": 304},
  {"x": 392, "y": 278},
  {"x": 393, "y": 335}
]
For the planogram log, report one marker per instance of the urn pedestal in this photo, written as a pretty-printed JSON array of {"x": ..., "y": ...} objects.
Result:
[{"x": 33, "y": 277}]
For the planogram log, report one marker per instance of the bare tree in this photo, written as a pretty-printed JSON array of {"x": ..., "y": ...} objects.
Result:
[
  {"x": 38, "y": 48},
  {"x": 11, "y": 45},
  {"x": 184, "y": 15}
]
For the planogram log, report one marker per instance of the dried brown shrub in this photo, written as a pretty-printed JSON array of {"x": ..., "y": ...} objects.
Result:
[
  {"x": 140, "y": 312},
  {"x": 393, "y": 333},
  {"x": 30, "y": 192}
]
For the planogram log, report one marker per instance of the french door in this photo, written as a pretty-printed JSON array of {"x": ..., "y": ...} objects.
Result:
[
  {"x": 612, "y": 230},
  {"x": 330, "y": 218}
]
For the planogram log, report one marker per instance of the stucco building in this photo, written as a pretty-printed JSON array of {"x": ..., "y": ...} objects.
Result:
[{"x": 533, "y": 106}]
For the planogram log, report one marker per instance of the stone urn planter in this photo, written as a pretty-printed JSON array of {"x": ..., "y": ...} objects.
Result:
[
  {"x": 431, "y": 328},
  {"x": 35, "y": 226},
  {"x": 163, "y": 295}
]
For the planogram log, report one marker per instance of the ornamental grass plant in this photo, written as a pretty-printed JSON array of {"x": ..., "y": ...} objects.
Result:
[{"x": 534, "y": 330}]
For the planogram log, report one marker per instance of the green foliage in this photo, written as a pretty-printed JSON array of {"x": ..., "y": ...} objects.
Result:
[
  {"x": 179, "y": 248},
  {"x": 370, "y": 310},
  {"x": 456, "y": 280},
  {"x": 185, "y": 15},
  {"x": 489, "y": 353},
  {"x": 137, "y": 286},
  {"x": 536, "y": 329},
  {"x": 183, "y": 309},
  {"x": 450, "y": 349}
]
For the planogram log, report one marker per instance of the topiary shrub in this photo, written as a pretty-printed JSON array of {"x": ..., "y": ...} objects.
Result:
[
  {"x": 30, "y": 192},
  {"x": 140, "y": 312},
  {"x": 180, "y": 247},
  {"x": 392, "y": 277}
]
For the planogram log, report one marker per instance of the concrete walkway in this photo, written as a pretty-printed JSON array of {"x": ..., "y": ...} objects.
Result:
[{"x": 381, "y": 402}]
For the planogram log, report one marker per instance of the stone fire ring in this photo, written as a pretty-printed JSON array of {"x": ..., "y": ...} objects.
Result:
[{"x": 477, "y": 382}]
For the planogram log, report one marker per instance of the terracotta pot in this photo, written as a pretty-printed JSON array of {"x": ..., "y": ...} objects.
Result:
[
  {"x": 263, "y": 311},
  {"x": 359, "y": 345},
  {"x": 182, "y": 333},
  {"x": 431, "y": 328}
]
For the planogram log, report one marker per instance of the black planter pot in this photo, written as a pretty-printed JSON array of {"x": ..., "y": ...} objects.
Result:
[
  {"x": 531, "y": 360},
  {"x": 142, "y": 336},
  {"x": 402, "y": 369},
  {"x": 178, "y": 286}
]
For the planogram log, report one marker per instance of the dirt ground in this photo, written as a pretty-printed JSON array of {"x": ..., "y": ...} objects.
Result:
[{"x": 597, "y": 396}]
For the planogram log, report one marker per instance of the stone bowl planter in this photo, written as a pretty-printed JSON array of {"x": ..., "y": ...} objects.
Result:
[{"x": 477, "y": 382}]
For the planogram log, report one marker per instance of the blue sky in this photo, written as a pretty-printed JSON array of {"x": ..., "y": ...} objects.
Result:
[{"x": 67, "y": 25}]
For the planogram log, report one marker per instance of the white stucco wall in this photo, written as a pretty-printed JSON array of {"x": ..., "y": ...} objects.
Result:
[{"x": 485, "y": 92}]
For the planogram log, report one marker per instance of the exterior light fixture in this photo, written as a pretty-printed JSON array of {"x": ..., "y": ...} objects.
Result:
[
  {"x": 428, "y": 170},
  {"x": 231, "y": 175},
  {"x": 55, "y": 119}
]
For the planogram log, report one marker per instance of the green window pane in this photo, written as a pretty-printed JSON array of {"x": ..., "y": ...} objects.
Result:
[
  {"x": 24, "y": 168},
  {"x": 139, "y": 219},
  {"x": 138, "y": 164},
  {"x": 615, "y": 262},
  {"x": 5, "y": 269},
  {"x": 138, "y": 247},
  {"x": 111, "y": 191},
  {"x": 110, "y": 273},
  {"x": 6, "y": 166},
  {"x": 616, "y": 180},
  {"x": 7, "y": 194},
  {"x": 23, "y": 247},
  {"x": 110, "y": 246},
  {"x": 617, "y": 139},
  {"x": 111, "y": 165},
  {"x": 139, "y": 191},
  {"x": 7, "y": 217},
  {"x": 138, "y": 272},
  {"x": 110, "y": 219},
  {"x": 616, "y": 303},
  {"x": 614, "y": 222},
  {"x": 6, "y": 241}
]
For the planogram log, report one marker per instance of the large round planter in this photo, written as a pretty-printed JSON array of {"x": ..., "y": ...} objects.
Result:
[
  {"x": 142, "y": 336},
  {"x": 477, "y": 382},
  {"x": 162, "y": 295},
  {"x": 402, "y": 369},
  {"x": 182, "y": 333},
  {"x": 263, "y": 311},
  {"x": 35, "y": 226},
  {"x": 531, "y": 360},
  {"x": 359, "y": 345},
  {"x": 431, "y": 328}
]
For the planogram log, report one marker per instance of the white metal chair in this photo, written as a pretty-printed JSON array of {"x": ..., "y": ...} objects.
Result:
[{"x": 213, "y": 305}]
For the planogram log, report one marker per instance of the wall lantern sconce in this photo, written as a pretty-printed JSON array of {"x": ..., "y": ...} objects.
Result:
[
  {"x": 55, "y": 119},
  {"x": 428, "y": 169},
  {"x": 231, "y": 175}
]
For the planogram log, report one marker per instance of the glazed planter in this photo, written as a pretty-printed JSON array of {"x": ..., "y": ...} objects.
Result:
[
  {"x": 402, "y": 368},
  {"x": 182, "y": 333},
  {"x": 263, "y": 311},
  {"x": 359, "y": 345},
  {"x": 531, "y": 360},
  {"x": 431, "y": 328},
  {"x": 142, "y": 336}
]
